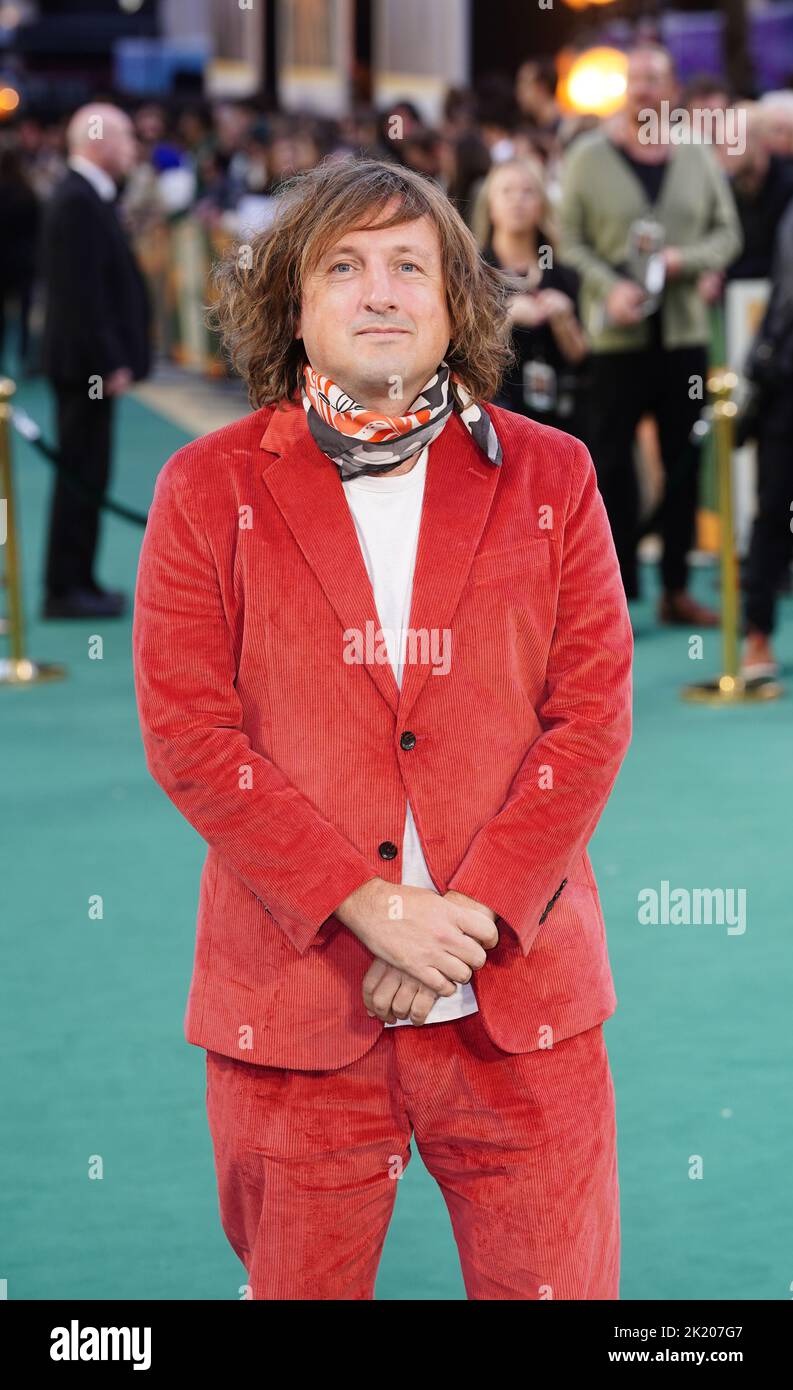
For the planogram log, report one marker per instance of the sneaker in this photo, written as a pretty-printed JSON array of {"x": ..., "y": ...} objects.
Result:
[{"x": 757, "y": 659}]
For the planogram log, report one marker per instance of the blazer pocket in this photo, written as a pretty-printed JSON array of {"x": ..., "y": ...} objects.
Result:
[{"x": 529, "y": 557}]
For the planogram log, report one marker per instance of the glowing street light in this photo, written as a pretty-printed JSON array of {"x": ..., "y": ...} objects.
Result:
[
  {"x": 584, "y": 4},
  {"x": 594, "y": 84}
]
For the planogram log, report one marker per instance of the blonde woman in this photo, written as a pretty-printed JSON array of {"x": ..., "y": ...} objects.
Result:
[{"x": 513, "y": 223}]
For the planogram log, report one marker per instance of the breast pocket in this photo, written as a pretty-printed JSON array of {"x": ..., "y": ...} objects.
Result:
[
  {"x": 505, "y": 622},
  {"x": 530, "y": 559}
]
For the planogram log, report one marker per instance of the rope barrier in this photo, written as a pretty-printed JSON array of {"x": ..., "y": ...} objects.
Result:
[{"x": 26, "y": 426}]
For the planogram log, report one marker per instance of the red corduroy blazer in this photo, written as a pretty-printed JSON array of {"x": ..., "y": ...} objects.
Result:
[{"x": 287, "y": 756}]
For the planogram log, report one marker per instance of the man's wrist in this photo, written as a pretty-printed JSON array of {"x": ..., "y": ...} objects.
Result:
[{"x": 358, "y": 906}]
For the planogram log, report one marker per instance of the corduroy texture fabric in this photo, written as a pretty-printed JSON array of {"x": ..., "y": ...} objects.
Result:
[
  {"x": 285, "y": 754},
  {"x": 524, "y": 1150}
]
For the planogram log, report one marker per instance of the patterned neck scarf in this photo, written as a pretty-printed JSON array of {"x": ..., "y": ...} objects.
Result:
[{"x": 361, "y": 441}]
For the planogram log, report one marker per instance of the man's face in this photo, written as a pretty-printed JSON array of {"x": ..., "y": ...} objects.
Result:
[
  {"x": 709, "y": 101},
  {"x": 649, "y": 82},
  {"x": 748, "y": 165},
  {"x": 374, "y": 316},
  {"x": 778, "y": 129},
  {"x": 119, "y": 146},
  {"x": 526, "y": 90}
]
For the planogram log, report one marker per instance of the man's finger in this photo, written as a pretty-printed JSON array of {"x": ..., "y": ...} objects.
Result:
[
  {"x": 371, "y": 980},
  {"x": 403, "y": 999},
  {"x": 383, "y": 993},
  {"x": 421, "y": 1006}
]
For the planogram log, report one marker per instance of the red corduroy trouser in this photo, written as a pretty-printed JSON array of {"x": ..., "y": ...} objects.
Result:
[{"x": 522, "y": 1145}]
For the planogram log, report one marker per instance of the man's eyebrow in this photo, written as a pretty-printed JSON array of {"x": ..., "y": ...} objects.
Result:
[{"x": 347, "y": 250}]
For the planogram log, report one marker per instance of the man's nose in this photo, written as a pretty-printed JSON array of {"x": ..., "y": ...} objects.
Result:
[{"x": 378, "y": 289}]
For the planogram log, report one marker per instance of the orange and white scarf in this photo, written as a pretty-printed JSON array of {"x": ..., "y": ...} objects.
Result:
[{"x": 361, "y": 441}]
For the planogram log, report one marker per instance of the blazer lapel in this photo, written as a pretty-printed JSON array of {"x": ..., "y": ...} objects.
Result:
[
  {"x": 459, "y": 489},
  {"x": 458, "y": 493}
]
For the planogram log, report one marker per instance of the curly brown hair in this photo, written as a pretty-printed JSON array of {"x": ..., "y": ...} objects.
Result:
[{"x": 258, "y": 284}]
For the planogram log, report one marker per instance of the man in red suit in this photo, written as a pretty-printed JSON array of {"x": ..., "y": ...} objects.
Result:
[{"x": 383, "y": 666}]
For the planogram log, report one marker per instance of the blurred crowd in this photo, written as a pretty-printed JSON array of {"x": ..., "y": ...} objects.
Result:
[
  {"x": 549, "y": 202},
  {"x": 223, "y": 162}
]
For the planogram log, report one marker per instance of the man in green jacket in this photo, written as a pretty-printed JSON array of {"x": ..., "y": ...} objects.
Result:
[{"x": 649, "y": 223}]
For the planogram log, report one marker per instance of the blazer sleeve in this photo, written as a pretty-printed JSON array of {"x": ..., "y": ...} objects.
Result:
[
  {"x": 296, "y": 862},
  {"x": 518, "y": 863}
]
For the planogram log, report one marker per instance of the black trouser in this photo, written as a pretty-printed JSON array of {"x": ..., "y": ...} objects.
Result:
[
  {"x": 771, "y": 543},
  {"x": 625, "y": 386},
  {"x": 84, "y": 439},
  {"x": 22, "y": 293}
]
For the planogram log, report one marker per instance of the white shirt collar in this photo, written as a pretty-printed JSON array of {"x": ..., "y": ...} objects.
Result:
[{"x": 98, "y": 178}]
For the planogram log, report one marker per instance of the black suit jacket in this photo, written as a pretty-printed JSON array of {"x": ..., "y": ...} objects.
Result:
[{"x": 97, "y": 309}]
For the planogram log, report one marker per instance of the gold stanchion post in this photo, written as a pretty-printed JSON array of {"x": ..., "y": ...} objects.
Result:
[
  {"x": 729, "y": 687},
  {"x": 16, "y": 668}
]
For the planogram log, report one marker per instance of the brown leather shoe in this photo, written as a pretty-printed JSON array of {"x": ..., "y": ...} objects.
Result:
[{"x": 681, "y": 610}]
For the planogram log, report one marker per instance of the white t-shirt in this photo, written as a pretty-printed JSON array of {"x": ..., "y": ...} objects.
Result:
[{"x": 387, "y": 513}]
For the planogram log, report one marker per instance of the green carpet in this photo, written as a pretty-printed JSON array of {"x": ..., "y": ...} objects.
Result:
[{"x": 95, "y": 1066}]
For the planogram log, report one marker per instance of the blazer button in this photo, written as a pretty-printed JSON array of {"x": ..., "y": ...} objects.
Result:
[
  {"x": 387, "y": 850},
  {"x": 408, "y": 740}
]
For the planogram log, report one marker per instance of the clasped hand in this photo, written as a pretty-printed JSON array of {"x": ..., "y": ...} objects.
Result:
[{"x": 391, "y": 993}]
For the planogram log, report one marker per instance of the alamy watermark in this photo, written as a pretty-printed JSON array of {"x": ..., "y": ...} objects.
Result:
[
  {"x": 702, "y": 125},
  {"x": 693, "y": 907},
  {"x": 379, "y": 646},
  {"x": 76, "y": 1343}
]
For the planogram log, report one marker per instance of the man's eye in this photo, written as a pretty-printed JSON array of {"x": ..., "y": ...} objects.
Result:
[{"x": 338, "y": 263}]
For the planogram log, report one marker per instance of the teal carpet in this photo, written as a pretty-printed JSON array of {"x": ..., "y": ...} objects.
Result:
[{"x": 97, "y": 1077}]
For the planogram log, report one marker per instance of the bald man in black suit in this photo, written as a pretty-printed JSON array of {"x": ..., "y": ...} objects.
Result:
[{"x": 95, "y": 344}]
